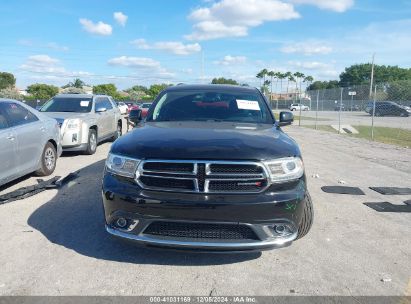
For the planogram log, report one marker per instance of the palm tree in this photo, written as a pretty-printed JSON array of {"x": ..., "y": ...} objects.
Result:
[
  {"x": 299, "y": 76},
  {"x": 309, "y": 80},
  {"x": 78, "y": 83},
  {"x": 262, "y": 74},
  {"x": 289, "y": 77},
  {"x": 272, "y": 75},
  {"x": 281, "y": 76}
]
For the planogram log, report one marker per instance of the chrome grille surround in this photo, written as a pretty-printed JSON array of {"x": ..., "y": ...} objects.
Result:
[{"x": 238, "y": 176}]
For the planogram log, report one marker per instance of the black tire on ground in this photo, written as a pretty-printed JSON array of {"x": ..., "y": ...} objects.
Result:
[
  {"x": 119, "y": 131},
  {"x": 92, "y": 142},
  {"x": 48, "y": 160},
  {"x": 307, "y": 218}
]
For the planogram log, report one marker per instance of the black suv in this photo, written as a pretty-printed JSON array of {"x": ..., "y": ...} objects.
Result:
[
  {"x": 390, "y": 108},
  {"x": 209, "y": 169}
]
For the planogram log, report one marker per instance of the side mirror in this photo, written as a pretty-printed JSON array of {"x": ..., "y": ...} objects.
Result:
[
  {"x": 286, "y": 118},
  {"x": 135, "y": 116},
  {"x": 100, "y": 110}
]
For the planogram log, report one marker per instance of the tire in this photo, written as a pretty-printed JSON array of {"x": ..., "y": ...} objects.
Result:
[
  {"x": 92, "y": 142},
  {"x": 307, "y": 218},
  {"x": 48, "y": 160},
  {"x": 118, "y": 133}
]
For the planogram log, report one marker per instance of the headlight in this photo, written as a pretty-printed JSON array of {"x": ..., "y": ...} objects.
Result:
[
  {"x": 73, "y": 124},
  {"x": 284, "y": 169},
  {"x": 121, "y": 165}
]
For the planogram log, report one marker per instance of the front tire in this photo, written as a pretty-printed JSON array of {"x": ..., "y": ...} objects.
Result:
[
  {"x": 119, "y": 132},
  {"x": 92, "y": 142},
  {"x": 48, "y": 160},
  {"x": 307, "y": 218}
]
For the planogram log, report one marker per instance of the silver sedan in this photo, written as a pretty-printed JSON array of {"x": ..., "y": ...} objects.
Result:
[{"x": 29, "y": 141}]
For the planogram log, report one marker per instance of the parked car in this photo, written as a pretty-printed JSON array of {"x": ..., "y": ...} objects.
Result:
[
  {"x": 132, "y": 106},
  {"x": 339, "y": 107},
  {"x": 122, "y": 107},
  {"x": 144, "y": 109},
  {"x": 383, "y": 108},
  {"x": 85, "y": 120},
  {"x": 298, "y": 106},
  {"x": 211, "y": 169},
  {"x": 30, "y": 141}
]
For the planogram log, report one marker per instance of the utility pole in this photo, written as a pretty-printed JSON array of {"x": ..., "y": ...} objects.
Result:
[{"x": 372, "y": 74}]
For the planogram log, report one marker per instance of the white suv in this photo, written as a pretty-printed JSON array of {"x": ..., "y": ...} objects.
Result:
[{"x": 298, "y": 107}]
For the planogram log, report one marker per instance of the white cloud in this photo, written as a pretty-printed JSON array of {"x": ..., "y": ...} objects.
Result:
[
  {"x": 148, "y": 65},
  {"x": 231, "y": 60},
  {"x": 57, "y": 47},
  {"x": 233, "y": 18},
  {"x": 174, "y": 47},
  {"x": 42, "y": 60},
  {"x": 339, "y": 6},
  {"x": 99, "y": 28},
  {"x": 307, "y": 48},
  {"x": 49, "y": 67},
  {"x": 120, "y": 18},
  {"x": 309, "y": 65}
]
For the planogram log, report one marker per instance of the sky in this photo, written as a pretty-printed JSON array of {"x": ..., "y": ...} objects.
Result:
[{"x": 192, "y": 41}]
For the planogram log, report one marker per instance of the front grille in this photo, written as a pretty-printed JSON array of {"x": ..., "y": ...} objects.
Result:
[
  {"x": 201, "y": 231},
  {"x": 202, "y": 176},
  {"x": 231, "y": 168},
  {"x": 167, "y": 182},
  {"x": 230, "y": 186}
]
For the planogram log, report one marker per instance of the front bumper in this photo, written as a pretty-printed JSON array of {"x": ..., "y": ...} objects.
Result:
[{"x": 123, "y": 198}]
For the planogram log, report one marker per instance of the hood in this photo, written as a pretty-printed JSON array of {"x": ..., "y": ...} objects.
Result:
[
  {"x": 205, "y": 140},
  {"x": 65, "y": 115}
]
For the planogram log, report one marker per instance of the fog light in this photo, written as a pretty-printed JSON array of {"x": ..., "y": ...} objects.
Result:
[
  {"x": 280, "y": 229},
  {"x": 121, "y": 222}
]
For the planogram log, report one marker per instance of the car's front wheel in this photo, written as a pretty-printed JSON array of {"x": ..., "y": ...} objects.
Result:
[
  {"x": 92, "y": 142},
  {"x": 48, "y": 160},
  {"x": 307, "y": 218}
]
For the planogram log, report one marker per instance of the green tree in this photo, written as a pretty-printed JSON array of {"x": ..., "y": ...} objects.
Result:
[
  {"x": 42, "y": 91},
  {"x": 309, "y": 80},
  {"x": 105, "y": 89},
  {"x": 11, "y": 93},
  {"x": 223, "y": 80},
  {"x": 323, "y": 85},
  {"x": 7, "y": 80},
  {"x": 155, "y": 89},
  {"x": 272, "y": 75},
  {"x": 361, "y": 74},
  {"x": 399, "y": 90}
]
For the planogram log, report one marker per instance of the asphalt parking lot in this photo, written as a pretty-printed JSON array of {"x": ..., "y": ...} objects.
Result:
[
  {"x": 54, "y": 243},
  {"x": 354, "y": 118}
]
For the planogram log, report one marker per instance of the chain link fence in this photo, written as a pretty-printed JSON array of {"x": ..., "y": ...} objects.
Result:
[{"x": 381, "y": 113}]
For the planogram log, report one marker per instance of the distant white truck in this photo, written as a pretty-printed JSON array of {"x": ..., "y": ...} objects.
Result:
[{"x": 298, "y": 107}]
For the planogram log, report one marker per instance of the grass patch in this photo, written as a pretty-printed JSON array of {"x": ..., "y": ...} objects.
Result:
[
  {"x": 322, "y": 128},
  {"x": 393, "y": 136}
]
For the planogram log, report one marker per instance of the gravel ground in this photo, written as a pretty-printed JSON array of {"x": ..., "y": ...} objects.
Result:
[{"x": 54, "y": 243}]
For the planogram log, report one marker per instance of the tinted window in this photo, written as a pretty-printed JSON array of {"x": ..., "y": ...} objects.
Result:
[
  {"x": 3, "y": 119},
  {"x": 68, "y": 104},
  {"x": 18, "y": 115},
  {"x": 205, "y": 105}
]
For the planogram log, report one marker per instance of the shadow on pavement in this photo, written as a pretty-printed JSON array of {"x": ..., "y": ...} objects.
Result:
[{"x": 74, "y": 219}]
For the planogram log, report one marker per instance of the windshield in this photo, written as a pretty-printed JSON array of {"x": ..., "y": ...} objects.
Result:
[
  {"x": 203, "y": 105},
  {"x": 65, "y": 104}
]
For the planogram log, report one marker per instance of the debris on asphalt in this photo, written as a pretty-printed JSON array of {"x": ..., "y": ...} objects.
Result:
[
  {"x": 392, "y": 190},
  {"x": 342, "y": 182},
  {"x": 342, "y": 190},
  {"x": 386, "y": 279},
  {"x": 315, "y": 176},
  {"x": 24, "y": 192},
  {"x": 28, "y": 191}
]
